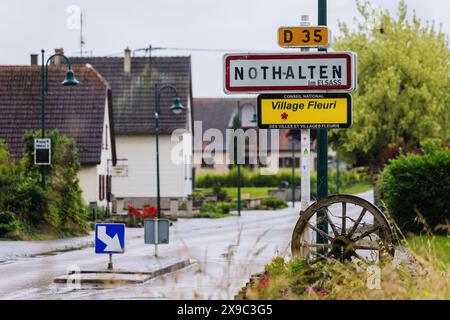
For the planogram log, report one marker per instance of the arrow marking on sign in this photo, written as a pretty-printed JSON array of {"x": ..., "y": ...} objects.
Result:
[{"x": 112, "y": 244}]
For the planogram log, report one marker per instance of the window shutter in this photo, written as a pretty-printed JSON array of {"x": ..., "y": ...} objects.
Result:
[
  {"x": 101, "y": 185},
  {"x": 108, "y": 187}
]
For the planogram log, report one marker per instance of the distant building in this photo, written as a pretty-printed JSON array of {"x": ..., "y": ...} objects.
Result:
[
  {"x": 82, "y": 112},
  {"x": 132, "y": 82},
  {"x": 219, "y": 113}
]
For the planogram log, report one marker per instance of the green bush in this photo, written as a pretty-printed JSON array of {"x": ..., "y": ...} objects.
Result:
[
  {"x": 220, "y": 207},
  {"x": 274, "y": 203},
  {"x": 415, "y": 190},
  {"x": 8, "y": 222},
  {"x": 219, "y": 192},
  {"x": 347, "y": 178},
  {"x": 60, "y": 208},
  {"x": 226, "y": 207}
]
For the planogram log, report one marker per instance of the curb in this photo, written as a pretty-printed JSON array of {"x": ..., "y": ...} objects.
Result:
[{"x": 120, "y": 277}]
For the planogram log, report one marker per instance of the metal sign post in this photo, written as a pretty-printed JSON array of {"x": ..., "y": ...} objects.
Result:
[
  {"x": 155, "y": 223},
  {"x": 110, "y": 239},
  {"x": 156, "y": 231},
  {"x": 322, "y": 149},
  {"x": 305, "y": 148}
]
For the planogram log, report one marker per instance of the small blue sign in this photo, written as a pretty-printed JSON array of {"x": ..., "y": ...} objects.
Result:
[{"x": 109, "y": 238}]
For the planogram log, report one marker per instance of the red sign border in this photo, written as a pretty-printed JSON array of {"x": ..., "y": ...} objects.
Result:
[{"x": 346, "y": 55}]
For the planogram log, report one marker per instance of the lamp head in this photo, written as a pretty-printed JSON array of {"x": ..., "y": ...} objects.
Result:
[
  {"x": 177, "y": 107},
  {"x": 70, "y": 79}
]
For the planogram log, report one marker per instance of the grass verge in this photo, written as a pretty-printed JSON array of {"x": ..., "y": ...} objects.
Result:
[{"x": 332, "y": 280}]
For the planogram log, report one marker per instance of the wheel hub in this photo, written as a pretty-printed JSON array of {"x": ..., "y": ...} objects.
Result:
[{"x": 342, "y": 248}]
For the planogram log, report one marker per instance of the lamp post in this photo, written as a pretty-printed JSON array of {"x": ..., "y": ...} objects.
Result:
[
  {"x": 68, "y": 81},
  {"x": 176, "y": 108},
  {"x": 239, "y": 125}
]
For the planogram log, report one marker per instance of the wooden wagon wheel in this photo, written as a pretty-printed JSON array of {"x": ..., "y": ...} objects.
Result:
[{"x": 356, "y": 229}]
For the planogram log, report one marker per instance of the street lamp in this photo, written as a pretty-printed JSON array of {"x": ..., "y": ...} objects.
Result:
[
  {"x": 176, "y": 108},
  {"x": 68, "y": 81},
  {"x": 239, "y": 125}
]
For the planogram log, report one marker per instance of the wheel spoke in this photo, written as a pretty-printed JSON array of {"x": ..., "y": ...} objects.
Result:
[
  {"x": 367, "y": 232},
  {"x": 344, "y": 218},
  {"x": 355, "y": 225},
  {"x": 362, "y": 247},
  {"x": 319, "y": 231},
  {"x": 315, "y": 245},
  {"x": 333, "y": 226}
]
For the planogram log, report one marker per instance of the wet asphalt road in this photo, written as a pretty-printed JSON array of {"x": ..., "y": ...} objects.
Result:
[{"x": 227, "y": 252}]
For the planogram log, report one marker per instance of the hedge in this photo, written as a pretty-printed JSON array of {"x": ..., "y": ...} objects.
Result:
[
  {"x": 413, "y": 187},
  {"x": 347, "y": 178}
]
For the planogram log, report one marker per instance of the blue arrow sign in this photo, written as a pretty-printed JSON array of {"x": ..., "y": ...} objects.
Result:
[{"x": 109, "y": 238}]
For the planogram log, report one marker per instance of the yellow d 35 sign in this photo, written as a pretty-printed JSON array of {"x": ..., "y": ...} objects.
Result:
[{"x": 303, "y": 37}]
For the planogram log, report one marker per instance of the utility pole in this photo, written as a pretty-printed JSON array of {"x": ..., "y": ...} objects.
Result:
[{"x": 322, "y": 147}]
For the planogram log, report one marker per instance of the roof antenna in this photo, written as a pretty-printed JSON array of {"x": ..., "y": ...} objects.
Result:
[{"x": 82, "y": 43}]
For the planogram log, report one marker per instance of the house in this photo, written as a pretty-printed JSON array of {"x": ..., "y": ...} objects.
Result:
[
  {"x": 212, "y": 114},
  {"x": 82, "y": 112},
  {"x": 132, "y": 82}
]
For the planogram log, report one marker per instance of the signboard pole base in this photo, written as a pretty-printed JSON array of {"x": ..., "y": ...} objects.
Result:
[
  {"x": 110, "y": 264},
  {"x": 156, "y": 236}
]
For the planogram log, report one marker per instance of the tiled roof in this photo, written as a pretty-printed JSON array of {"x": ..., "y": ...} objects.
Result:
[
  {"x": 132, "y": 92},
  {"x": 76, "y": 111},
  {"x": 217, "y": 113}
]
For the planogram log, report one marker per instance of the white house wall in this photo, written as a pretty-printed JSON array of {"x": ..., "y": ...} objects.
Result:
[
  {"x": 89, "y": 183},
  {"x": 89, "y": 174},
  {"x": 140, "y": 152}
]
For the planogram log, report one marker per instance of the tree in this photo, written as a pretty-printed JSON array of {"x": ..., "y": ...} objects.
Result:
[
  {"x": 403, "y": 91},
  {"x": 65, "y": 209}
]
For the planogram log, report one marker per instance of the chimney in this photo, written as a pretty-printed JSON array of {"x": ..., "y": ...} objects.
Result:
[
  {"x": 57, "y": 60},
  {"x": 127, "y": 60},
  {"x": 34, "y": 59}
]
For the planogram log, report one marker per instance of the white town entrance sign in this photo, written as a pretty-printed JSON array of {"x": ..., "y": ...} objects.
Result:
[{"x": 305, "y": 72}]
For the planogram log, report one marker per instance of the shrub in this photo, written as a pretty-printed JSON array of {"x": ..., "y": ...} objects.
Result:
[
  {"x": 274, "y": 203},
  {"x": 209, "y": 207},
  {"x": 60, "y": 208},
  {"x": 8, "y": 222},
  {"x": 226, "y": 207},
  {"x": 64, "y": 209},
  {"x": 254, "y": 179},
  {"x": 415, "y": 190},
  {"x": 219, "y": 193}
]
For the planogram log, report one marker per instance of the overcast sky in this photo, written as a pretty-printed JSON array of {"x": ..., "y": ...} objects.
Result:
[{"x": 111, "y": 25}]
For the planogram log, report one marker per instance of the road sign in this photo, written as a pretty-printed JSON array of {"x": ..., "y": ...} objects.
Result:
[
  {"x": 293, "y": 72},
  {"x": 109, "y": 238},
  {"x": 120, "y": 171},
  {"x": 42, "y": 151},
  {"x": 304, "y": 111},
  {"x": 162, "y": 231},
  {"x": 296, "y": 37}
]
